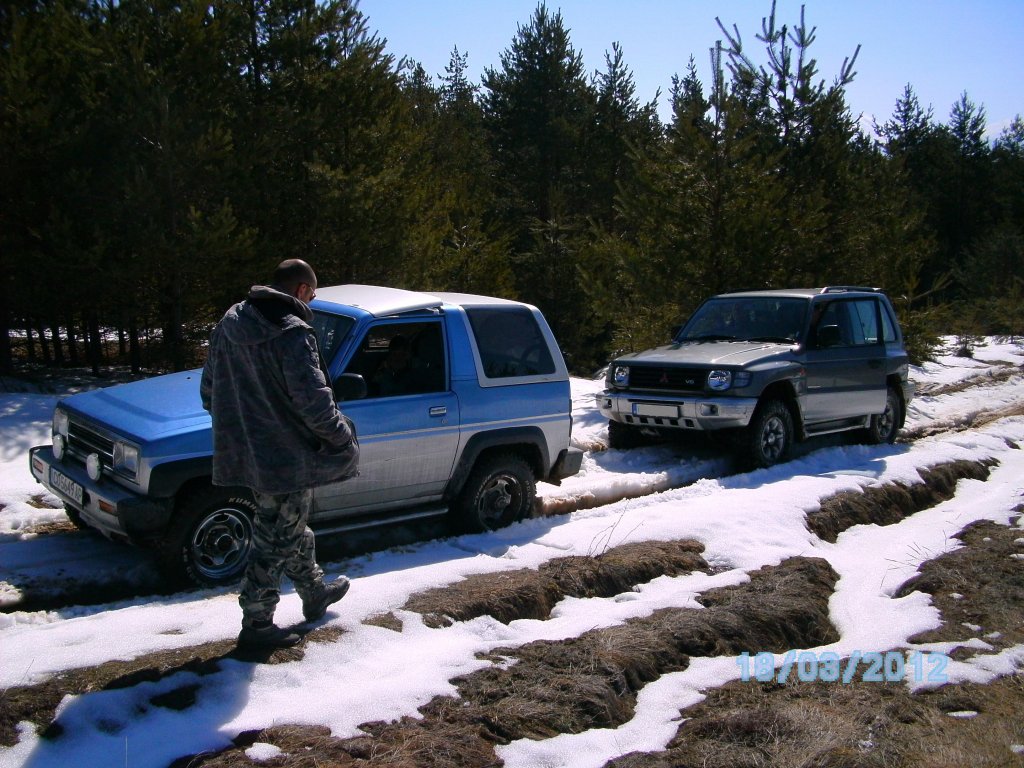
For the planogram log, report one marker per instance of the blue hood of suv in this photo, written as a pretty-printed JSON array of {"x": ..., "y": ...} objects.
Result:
[{"x": 146, "y": 410}]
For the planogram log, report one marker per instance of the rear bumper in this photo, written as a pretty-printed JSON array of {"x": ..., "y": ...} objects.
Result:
[
  {"x": 104, "y": 505},
  {"x": 701, "y": 413}
]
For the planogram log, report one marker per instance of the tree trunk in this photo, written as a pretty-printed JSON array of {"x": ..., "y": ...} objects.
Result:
[
  {"x": 72, "y": 342},
  {"x": 95, "y": 346},
  {"x": 134, "y": 353},
  {"x": 43, "y": 345},
  {"x": 6, "y": 353},
  {"x": 58, "y": 346},
  {"x": 30, "y": 342}
]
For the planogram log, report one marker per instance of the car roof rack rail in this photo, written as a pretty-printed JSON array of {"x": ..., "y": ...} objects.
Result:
[{"x": 847, "y": 288}]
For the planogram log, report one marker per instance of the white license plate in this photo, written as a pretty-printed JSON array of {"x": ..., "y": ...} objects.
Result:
[
  {"x": 66, "y": 485},
  {"x": 652, "y": 409}
]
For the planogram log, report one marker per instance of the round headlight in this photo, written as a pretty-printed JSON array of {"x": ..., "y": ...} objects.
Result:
[
  {"x": 58, "y": 447},
  {"x": 93, "y": 467},
  {"x": 719, "y": 380}
]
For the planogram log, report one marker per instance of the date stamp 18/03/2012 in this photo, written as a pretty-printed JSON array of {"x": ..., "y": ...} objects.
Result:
[{"x": 865, "y": 666}]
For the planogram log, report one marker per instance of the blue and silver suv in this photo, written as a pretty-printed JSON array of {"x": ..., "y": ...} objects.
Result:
[{"x": 461, "y": 404}]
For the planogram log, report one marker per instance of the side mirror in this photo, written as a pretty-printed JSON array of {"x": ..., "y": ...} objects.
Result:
[
  {"x": 829, "y": 336},
  {"x": 349, "y": 386}
]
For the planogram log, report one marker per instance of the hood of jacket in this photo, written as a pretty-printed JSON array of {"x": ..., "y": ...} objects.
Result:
[{"x": 264, "y": 315}]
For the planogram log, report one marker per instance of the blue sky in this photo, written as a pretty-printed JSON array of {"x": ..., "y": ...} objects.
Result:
[{"x": 940, "y": 47}]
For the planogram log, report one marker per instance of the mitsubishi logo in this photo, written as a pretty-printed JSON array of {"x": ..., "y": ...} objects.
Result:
[{"x": 664, "y": 378}]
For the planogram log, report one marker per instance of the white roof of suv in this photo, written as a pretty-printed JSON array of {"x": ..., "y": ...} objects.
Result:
[
  {"x": 378, "y": 300},
  {"x": 381, "y": 301}
]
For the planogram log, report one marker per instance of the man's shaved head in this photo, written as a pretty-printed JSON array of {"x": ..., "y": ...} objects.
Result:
[{"x": 292, "y": 273}]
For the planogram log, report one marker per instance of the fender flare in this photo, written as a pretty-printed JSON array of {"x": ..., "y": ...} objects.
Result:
[{"x": 532, "y": 438}]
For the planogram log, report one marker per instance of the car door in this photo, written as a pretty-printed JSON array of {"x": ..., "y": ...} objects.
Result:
[
  {"x": 408, "y": 425},
  {"x": 845, "y": 362}
]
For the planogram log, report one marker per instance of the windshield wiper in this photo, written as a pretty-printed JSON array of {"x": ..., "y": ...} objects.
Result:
[
  {"x": 709, "y": 337},
  {"x": 773, "y": 339}
]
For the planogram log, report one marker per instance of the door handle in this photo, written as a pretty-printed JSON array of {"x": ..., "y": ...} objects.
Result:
[{"x": 438, "y": 410}]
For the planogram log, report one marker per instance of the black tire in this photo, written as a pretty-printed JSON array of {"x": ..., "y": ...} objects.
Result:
[
  {"x": 622, "y": 436},
  {"x": 884, "y": 426},
  {"x": 769, "y": 436},
  {"x": 499, "y": 491},
  {"x": 209, "y": 540},
  {"x": 76, "y": 518}
]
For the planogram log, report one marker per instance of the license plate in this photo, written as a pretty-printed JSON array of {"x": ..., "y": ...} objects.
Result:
[
  {"x": 66, "y": 485},
  {"x": 652, "y": 409}
]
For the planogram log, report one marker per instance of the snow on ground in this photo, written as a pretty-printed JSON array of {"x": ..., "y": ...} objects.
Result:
[{"x": 370, "y": 673}]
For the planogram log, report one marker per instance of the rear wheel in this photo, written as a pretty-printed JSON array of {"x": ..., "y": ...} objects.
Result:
[
  {"x": 769, "y": 437},
  {"x": 210, "y": 537},
  {"x": 500, "y": 491},
  {"x": 884, "y": 426}
]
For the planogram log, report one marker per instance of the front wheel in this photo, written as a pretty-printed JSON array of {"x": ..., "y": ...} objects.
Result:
[
  {"x": 884, "y": 426},
  {"x": 623, "y": 436},
  {"x": 500, "y": 491},
  {"x": 769, "y": 436},
  {"x": 210, "y": 538}
]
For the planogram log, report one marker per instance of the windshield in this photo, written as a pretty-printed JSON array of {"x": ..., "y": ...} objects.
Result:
[
  {"x": 746, "y": 318},
  {"x": 331, "y": 331}
]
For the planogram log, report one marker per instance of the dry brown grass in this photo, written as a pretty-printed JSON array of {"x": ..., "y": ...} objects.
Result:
[
  {"x": 889, "y": 503},
  {"x": 980, "y": 585},
  {"x": 532, "y": 593},
  {"x": 857, "y": 725}
]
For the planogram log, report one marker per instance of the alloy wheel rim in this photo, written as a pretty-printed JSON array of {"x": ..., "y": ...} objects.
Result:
[
  {"x": 500, "y": 494},
  {"x": 773, "y": 438}
]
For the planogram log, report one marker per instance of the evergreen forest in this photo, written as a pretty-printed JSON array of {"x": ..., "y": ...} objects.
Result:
[{"x": 157, "y": 157}]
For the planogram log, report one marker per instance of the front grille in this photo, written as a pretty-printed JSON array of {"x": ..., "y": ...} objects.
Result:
[
  {"x": 667, "y": 379},
  {"x": 84, "y": 439}
]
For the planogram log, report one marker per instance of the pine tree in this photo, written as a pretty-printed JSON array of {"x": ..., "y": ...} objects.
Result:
[{"x": 537, "y": 109}]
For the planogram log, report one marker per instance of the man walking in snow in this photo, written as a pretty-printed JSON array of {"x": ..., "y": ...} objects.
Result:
[{"x": 277, "y": 431}]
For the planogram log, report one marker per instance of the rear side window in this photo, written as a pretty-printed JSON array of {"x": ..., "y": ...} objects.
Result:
[
  {"x": 510, "y": 342},
  {"x": 888, "y": 325}
]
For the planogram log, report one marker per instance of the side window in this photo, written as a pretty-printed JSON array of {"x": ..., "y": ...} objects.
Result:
[
  {"x": 401, "y": 359},
  {"x": 888, "y": 325},
  {"x": 510, "y": 342},
  {"x": 864, "y": 321},
  {"x": 830, "y": 326}
]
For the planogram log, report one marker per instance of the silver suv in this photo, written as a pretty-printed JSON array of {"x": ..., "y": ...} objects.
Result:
[
  {"x": 461, "y": 404},
  {"x": 769, "y": 367}
]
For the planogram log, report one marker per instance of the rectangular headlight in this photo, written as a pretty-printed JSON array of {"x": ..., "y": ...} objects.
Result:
[
  {"x": 620, "y": 375},
  {"x": 126, "y": 459},
  {"x": 60, "y": 422}
]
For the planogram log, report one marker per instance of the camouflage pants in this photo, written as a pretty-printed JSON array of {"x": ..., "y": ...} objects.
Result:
[{"x": 282, "y": 544}]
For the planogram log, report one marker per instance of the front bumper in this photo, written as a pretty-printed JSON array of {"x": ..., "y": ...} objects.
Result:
[
  {"x": 700, "y": 413},
  {"x": 104, "y": 505}
]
